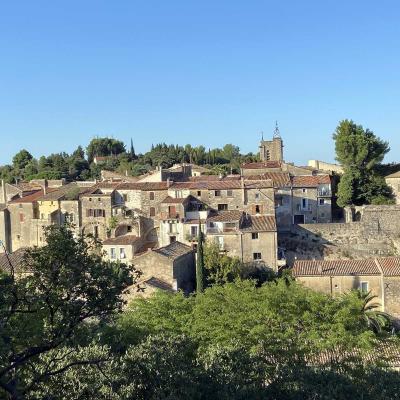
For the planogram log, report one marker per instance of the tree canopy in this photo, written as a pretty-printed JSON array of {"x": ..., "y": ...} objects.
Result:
[{"x": 361, "y": 153}]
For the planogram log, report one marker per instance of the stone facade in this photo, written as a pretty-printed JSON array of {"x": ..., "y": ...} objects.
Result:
[
  {"x": 393, "y": 181},
  {"x": 271, "y": 150},
  {"x": 173, "y": 264}
]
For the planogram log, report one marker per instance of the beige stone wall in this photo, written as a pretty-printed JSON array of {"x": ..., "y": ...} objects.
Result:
[
  {"x": 242, "y": 246},
  {"x": 313, "y": 212},
  {"x": 394, "y": 183},
  {"x": 392, "y": 295},
  {"x": 89, "y": 223},
  {"x": 271, "y": 150},
  {"x": 5, "y": 233},
  {"x": 23, "y": 233},
  {"x": 337, "y": 285},
  {"x": 129, "y": 249}
]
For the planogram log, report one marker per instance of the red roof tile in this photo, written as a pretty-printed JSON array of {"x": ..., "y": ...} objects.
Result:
[
  {"x": 258, "y": 223},
  {"x": 31, "y": 197},
  {"x": 310, "y": 180},
  {"x": 335, "y": 267},
  {"x": 226, "y": 216},
  {"x": 390, "y": 266}
]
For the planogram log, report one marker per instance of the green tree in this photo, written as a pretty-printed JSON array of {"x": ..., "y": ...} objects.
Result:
[
  {"x": 68, "y": 286},
  {"x": 21, "y": 159},
  {"x": 360, "y": 152},
  {"x": 104, "y": 147},
  {"x": 200, "y": 262}
]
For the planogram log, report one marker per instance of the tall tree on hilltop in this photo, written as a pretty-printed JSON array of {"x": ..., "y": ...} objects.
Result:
[
  {"x": 200, "y": 262},
  {"x": 133, "y": 155},
  {"x": 360, "y": 152}
]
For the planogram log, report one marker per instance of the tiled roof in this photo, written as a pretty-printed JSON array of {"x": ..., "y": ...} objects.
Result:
[
  {"x": 15, "y": 258},
  {"x": 144, "y": 186},
  {"x": 174, "y": 250},
  {"x": 262, "y": 165},
  {"x": 258, "y": 223},
  {"x": 121, "y": 240},
  {"x": 335, "y": 267},
  {"x": 279, "y": 179},
  {"x": 394, "y": 175},
  {"x": 310, "y": 180},
  {"x": 174, "y": 200},
  {"x": 158, "y": 284},
  {"x": 226, "y": 216},
  {"x": 390, "y": 265},
  {"x": 31, "y": 197}
]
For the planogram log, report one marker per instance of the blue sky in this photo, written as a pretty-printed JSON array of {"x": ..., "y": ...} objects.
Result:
[{"x": 199, "y": 72}]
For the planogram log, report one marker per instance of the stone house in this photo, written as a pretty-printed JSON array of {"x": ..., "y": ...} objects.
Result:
[
  {"x": 380, "y": 276},
  {"x": 171, "y": 267},
  {"x": 5, "y": 229},
  {"x": 393, "y": 180},
  {"x": 122, "y": 248},
  {"x": 251, "y": 238},
  {"x": 311, "y": 199}
]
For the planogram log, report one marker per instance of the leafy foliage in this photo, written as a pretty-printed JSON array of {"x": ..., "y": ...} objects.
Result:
[{"x": 360, "y": 152}]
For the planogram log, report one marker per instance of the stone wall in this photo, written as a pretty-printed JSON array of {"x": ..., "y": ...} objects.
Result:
[{"x": 336, "y": 241}]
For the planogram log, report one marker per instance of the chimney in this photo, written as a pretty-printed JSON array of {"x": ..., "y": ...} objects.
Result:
[
  {"x": 320, "y": 269},
  {"x": 168, "y": 182},
  {"x": 45, "y": 187}
]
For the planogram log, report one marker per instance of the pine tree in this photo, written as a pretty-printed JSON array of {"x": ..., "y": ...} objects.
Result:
[
  {"x": 200, "y": 263},
  {"x": 133, "y": 155}
]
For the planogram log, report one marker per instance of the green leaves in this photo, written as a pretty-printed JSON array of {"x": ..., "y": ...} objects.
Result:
[{"x": 360, "y": 152}]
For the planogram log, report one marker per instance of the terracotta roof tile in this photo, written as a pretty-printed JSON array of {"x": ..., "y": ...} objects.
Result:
[
  {"x": 158, "y": 284},
  {"x": 390, "y": 266},
  {"x": 174, "y": 200},
  {"x": 310, "y": 180},
  {"x": 258, "y": 223},
  {"x": 226, "y": 216},
  {"x": 279, "y": 179},
  {"x": 15, "y": 258},
  {"x": 174, "y": 250},
  {"x": 335, "y": 267},
  {"x": 144, "y": 186},
  {"x": 394, "y": 175},
  {"x": 31, "y": 197}
]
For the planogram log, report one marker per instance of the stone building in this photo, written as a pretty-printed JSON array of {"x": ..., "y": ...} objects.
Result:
[
  {"x": 272, "y": 150},
  {"x": 393, "y": 180},
  {"x": 122, "y": 248},
  {"x": 380, "y": 276},
  {"x": 170, "y": 267}
]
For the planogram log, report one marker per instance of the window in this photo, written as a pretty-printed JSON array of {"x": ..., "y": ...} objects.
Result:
[
  {"x": 217, "y": 193},
  {"x": 69, "y": 217},
  {"x": 254, "y": 235},
  {"x": 279, "y": 201},
  {"x": 41, "y": 216},
  {"x": 322, "y": 215},
  {"x": 18, "y": 237},
  {"x": 96, "y": 231},
  {"x": 229, "y": 226},
  {"x": 20, "y": 206},
  {"x": 304, "y": 190},
  {"x": 257, "y": 196},
  {"x": 256, "y": 256},
  {"x": 267, "y": 155},
  {"x": 98, "y": 199},
  {"x": 321, "y": 202},
  {"x": 199, "y": 193},
  {"x": 229, "y": 193},
  {"x": 90, "y": 199},
  {"x": 304, "y": 204},
  {"x": 364, "y": 287},
  {"x": 178, "y": 194},
  {"x": 129, "y": 228},
  {"x": 112, "y": 253},
  {"x": 219, "y": 240},
  {"x": 125, "y": 197},
  {"x": 122, "y": 253},
  {"x": 151, "y": 195},
  {"x": 152, "y": 211},
  {"x": 222, "y": 207},
  {"x": 193, "y": 231},
  {"x": 258, "y": 209},
  {"x": 21, "y": 217},
  {"x": 172, "y": 239}
]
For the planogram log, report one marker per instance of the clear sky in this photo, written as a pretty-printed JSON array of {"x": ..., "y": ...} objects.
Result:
[{"x": 202, "y": 72}]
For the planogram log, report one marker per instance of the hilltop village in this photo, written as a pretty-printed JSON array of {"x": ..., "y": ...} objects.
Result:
[{"x": 273, "y": 214}]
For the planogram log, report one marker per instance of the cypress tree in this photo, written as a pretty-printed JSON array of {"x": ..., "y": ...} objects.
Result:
[
  {"x": 133, "y": 155},
  {"x": 200, "y": 262}
]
